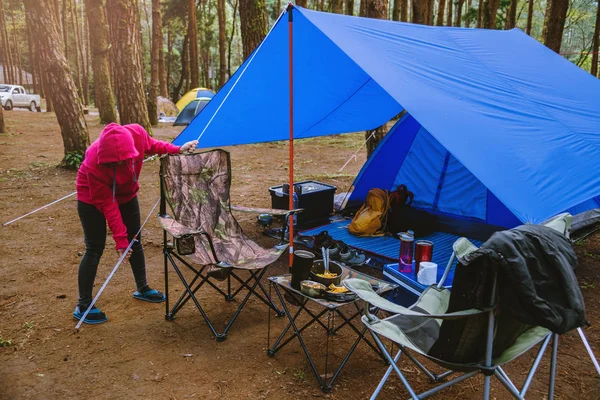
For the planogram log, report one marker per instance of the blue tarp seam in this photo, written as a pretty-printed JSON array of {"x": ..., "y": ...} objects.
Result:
[{"x": 436, "y": 199}]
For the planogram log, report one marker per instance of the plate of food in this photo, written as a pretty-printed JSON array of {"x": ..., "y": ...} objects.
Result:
[{"x": 339, "y": 293}]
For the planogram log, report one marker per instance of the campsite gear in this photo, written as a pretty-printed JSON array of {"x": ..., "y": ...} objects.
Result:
[
  {"x": 330, "y": 315},
  {"x": 536, "y": 269},
  {"x": 352, "y": 257},
  {"x": 316, "y": 198},
  {"x": 312, "y": 289},
  {"x": 196, "y": 187},
  {"x": 114, "y": 270},
  {"x": 340, "y": 297},
  {"x": 189, "y": 147},
  {"x": 423, "y": 252},
  {"x": 325, "y": 259},
  {"x": 185, "y": 245},
  {"x": 427, "y": 274},
  {"x": 405, "y": 258},
  {"x": 38, "y": 209},
  {"x": 303, "y": 261},
  {"x": 95, "y": 316},
  {"x": 466, "y": 187},
  {"x": 371, "y": 218},
  {"x": 190, "y": 111},
  {"x": 318, "y": 267},
  {"x": 265, "y": 220},
  {"x": 107, "y": 187},
  {"x": 194, "y": 94},
  {"x": 151, "y": 295}
]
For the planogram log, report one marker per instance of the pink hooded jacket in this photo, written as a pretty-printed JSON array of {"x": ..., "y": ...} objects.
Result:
[{"x": 104, "y": 183}]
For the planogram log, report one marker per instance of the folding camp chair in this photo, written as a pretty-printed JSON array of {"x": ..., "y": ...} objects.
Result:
[{"x": 208, "y": 241}]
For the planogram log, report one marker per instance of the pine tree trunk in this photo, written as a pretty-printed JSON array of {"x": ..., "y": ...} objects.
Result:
[
  {"x": 490, "y": 10},
  {"x": 32, "y": 61},
  {"x": 511, "y": 20},
  {"x": 230, "y": 40},
  {"x": 440, "y": 14},
  {"x": 7, "y": 61},
  {"x": 86, "y": 57},
  {"x": 156, "y": 48},
  {"x": 554, "y": 24},
  {"x": 69, "y": 113},
  {"x": 193, "y": 44},
  {"x": 2, "y": 127},
  {"x": 17, "y": 49},
  {"x": 420, "y": 11},
  {"x": 459, "y": 11},
  {"x": 222, "y": 43},
  {"x": 299, "y": 3},
  {"x": 253, "y": 19},
  {"x": 168, "y": 61},
  {"x": 350, "y": 7},
  {"x": 396, "y": 10},
  {"x": 450, "y": 13},
  {"x": 529, "y": 17},
  {"x": 65, "y": 28},
  {"x": 206, "y": 44},
  {"x": 337, "y": 6},
  {"x": 99, "y": 47},
  {"x": 184, "y": 70},
  {"x": 75, "y": 28},
  {"x": 162, "y": 75},
  {"x": 595, "y": 43},
  {"x": 375, "y": 9},
  {"x": 123, "y": 19}
]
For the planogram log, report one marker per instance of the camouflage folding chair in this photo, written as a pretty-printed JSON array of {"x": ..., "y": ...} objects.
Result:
[{"x": 207, "y": 239}]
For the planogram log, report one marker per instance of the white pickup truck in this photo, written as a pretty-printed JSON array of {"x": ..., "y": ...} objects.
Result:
[{"x": 15, "y": 96}]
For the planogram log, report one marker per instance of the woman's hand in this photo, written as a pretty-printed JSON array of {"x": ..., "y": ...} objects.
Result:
[
  {"x": 120, "y": 253},
  {"x": 188, "y": 147}
]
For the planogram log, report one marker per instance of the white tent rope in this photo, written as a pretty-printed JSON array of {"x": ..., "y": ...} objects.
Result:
[
  {"x": 239, "y": 77},
  {"x": 353, "y": 156},
  {"x": 115, "y": 268},
  {"x": 56, "y": 201}
]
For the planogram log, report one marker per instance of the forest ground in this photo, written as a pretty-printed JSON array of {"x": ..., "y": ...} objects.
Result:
[{"x": 139, "y": 354}]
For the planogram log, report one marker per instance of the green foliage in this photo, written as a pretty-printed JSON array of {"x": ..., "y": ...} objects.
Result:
[
  {"x": 72, "y": 160},
  {"x": 28, "y": 325},
  {"x": 5, "y": 342}
]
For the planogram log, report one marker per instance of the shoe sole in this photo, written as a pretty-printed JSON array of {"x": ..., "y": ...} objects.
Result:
[
  {"x": 90, "y": 321},
  {"x": 142, "y": 298}
]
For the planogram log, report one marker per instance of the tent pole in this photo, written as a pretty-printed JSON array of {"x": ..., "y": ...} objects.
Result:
[{"x": 291, "y": 162}]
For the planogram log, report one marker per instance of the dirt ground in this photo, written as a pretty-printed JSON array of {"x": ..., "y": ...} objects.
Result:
[{"x": 140, "y": 354}]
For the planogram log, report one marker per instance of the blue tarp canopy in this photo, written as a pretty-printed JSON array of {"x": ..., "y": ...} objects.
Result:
[{"x": 494, "y": 111}]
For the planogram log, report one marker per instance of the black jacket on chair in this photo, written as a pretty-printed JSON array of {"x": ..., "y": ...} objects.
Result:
[{"x": 537, "y": 283}]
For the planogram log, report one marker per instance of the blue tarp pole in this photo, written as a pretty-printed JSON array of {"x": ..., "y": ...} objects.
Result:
[{"x": 291, "y": 190}]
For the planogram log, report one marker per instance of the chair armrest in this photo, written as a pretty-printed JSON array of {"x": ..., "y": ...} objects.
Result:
[
  {"x": 174, "y": 228},
  {"x": 364, "y": 290},
  {"x": 272, "y": 211}
]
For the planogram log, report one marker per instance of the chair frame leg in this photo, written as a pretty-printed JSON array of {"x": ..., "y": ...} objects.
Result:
[
  {"x": 589, "y": 350},
  {"x": 200, "y": 279},
  {"x": 553, "y": 366},
  {"x": 385, "y": 376}
]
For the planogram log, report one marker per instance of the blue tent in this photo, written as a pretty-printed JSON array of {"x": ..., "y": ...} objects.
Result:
[{"x": 498, "y": 128}]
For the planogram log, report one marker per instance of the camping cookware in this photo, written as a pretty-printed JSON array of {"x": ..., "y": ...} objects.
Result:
[
  {"x": 301, "y": 265},
  {"x": 318, "y": 267}
]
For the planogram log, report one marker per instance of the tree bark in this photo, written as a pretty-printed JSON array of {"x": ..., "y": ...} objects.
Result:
[
  {"x": 2, "y": 127},
  {"x": 162, "y": 75},
  {"x": 490, "y": 10},
  {"x": 511, "y": 20},
  {"x": 337, "y": 6},
  {"x": 253, "y": 19},
  {"x": 554, "y": 24},
  {"x": 86, "y": 57},
  {"x": 99, "y": 47},
  {"x": 18, "y": 65},
  {"x": 480, "y": 14},
  {"x": 350, "y": 7},
  {"x": 169, "y": 61},
  {"x": 123, "y": 19},
  {"x": 230, "y": 40},
  {"x": 420, "y": 11},
  {"x": 193, "y": 44},
  {"x": 529, "y": 17},
  {"x": 184, "y": 70},
  {"x": 396, "y": 10},
  {"x": 4, "y": 44},
  {"x": 595, "y": 43},
  {"x": 375, "y": 9},
  {"x": 155, "y": 50},
  {"x": 440, "y": 14},
  {"x": 75, "y": 29},
  {"x": 65, "y": 30},
  {"x": 450, "y": 13},
  {"x": 222, "y": 43},
  {"x": 299, "y": 3},
  {"x": 69, "y": 112},
  {"x": 459, "y": 10}
]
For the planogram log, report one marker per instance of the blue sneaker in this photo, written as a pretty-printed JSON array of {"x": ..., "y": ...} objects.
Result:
[
  {"x": 95, "y": 316},
  {"x": 151, "y": 295}
]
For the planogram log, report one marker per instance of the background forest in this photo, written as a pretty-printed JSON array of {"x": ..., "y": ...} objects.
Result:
[{"x": 123, "y": 54}]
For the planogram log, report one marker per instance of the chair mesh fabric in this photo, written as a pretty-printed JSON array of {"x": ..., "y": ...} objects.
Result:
[{"x": 197, "y": 189}]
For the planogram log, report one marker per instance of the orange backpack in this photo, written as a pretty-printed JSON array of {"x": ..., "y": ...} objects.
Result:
[{"x": 371, "y": 218}]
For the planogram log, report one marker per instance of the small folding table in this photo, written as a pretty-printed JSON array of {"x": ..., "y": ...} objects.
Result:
[{"x": 322, "y": 309}]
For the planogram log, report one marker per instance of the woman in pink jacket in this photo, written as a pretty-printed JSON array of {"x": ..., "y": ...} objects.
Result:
[{"x": 107, "y": 187}]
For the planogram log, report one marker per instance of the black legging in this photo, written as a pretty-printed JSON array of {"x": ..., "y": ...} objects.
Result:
[{"x": 94, "y": 231}]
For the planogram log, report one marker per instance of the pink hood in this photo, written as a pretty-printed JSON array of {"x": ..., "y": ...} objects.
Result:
[{"x": 116, "y": 144}]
